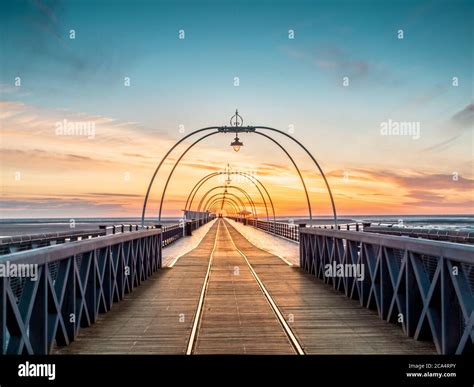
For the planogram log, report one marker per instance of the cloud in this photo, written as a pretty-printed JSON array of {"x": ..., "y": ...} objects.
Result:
[
  {"x": 442, "y": 145},
  {"x": 41, "y": 159},
  {"x": 50, "y": 204},
  {"x": 424, "y": 180},
  {"x": 351, "y": 68},
  {"x": 459, "y": 123},
  {"x": 340, "y": 63},
  {"x": 202, "y": 165},
  {"x": 114, "y": 194},
  {"x": 425, "y": 196},
  {"x": 360, "y": 174},
  {"x": 45, "y": 47},
  {"x": 415, "y": 183},
  {"x": 426, "y": 97},
  {"x": 402, "y": 191},
  {"x": 456, "y": 204},
  {"x": 20, "y": 120},
  {"x": 464, "y": 119},
  {"x": 10, "y": 89},
  {"x": 272, "y": 170},
  {"x": 139, "y": 155},
  {"x": 44, "y": 20}
]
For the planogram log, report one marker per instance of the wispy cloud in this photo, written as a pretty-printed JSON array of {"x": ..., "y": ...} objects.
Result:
[
  {"x": 51, "y": 45},
  {"x": 71, "y": 206},
  {"x": 419, "y": 180},
  {"x": 339, "y": 63},
  {"x": 113, "y": 194},
  {"x": 464, "y": 119},
  {"x": 11, "y": 90},
  {"x": 425, "y": 97},
  {"x": 460, "y": 123}
]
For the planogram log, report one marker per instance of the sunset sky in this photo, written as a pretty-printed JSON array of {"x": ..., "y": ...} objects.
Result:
[{"x": 344, "y": 75}]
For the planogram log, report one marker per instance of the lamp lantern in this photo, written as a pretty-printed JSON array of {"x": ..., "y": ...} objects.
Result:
[{"x": 236, "y": 144}]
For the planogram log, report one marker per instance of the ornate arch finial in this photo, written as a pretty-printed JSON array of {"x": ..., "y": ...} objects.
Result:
[{"x": 236, "y": 120}]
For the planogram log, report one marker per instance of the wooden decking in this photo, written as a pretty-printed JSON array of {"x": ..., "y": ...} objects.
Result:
[
  {"x": 156, "y": 318},
  {"x": 237, "y": 318}
]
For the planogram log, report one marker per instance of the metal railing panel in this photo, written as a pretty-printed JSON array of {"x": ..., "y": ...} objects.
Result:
[
  {"x": 424, "y": 286},
  {"x": 71, "y": 285}
]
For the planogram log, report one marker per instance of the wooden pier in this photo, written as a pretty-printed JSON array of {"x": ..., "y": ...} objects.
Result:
[{"x": 229, "y": 297}]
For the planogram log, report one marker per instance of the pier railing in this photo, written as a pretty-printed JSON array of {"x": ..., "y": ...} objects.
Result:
[
  {"x": 425, "y": 286},
  {"x": 13, "y": 244},
  {"x": 171, "y": 233},
  {"x": 65, "y": 287},
  {"x": 289, "y": 230},
  {"x": 184, "y": 228},
  {"x": 456, "y": 236},
  {"x": 285, "y": 230}
]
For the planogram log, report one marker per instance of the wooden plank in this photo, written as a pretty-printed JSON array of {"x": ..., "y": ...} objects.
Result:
[
  {"x": 323, "y": 319},
  {"x": 157, "y": 317},
  {"x": 237, "y": 318}
]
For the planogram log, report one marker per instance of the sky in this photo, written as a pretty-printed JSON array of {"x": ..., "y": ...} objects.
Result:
[{"x": 340, "y": 76}]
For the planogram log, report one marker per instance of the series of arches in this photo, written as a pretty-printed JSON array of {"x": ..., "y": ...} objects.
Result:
[
  {"x": 256, "y": 182},
  {"x": 206, "y": 205}
]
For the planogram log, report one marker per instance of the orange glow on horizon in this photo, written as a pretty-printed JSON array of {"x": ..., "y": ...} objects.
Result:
[{"x": 48, "y": 175}]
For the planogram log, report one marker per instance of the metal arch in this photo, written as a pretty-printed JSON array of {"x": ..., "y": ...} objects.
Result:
[
  {"x": 163, "y": 160},
  {"x": 227, "y": 206},
  {"x": 314, "y": 161},
  {"x": 297, "y": 170},
  {"x": 222, "y": 193},
  {"x": 201, "y": 182},
  {"x": 247, "y": 196},
  {"x": 229, "y": 201},
  {"x": 239, "y": 129},
  {"x": 259, "y": 191},
  {"x": 174, "y": 167},
  {"x": 265, "y": 189},
  {"x": 249, "y": 199},
  {"x": 221, "y": 199}
]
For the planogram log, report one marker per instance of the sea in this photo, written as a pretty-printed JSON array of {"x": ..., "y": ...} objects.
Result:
[{"x": 15, "y": 227}]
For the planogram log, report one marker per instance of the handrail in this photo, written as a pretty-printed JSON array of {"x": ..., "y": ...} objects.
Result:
[
  {"x": 72, "y": 283},
  {"x": 15, "y": 243},
  {"x": 63, "y": 251},
  {"x": 460, "y": 252},
  {"x": 49, "y": 235},
  {"x": 426, "y": 286},
  {"x": 66, "y": 286}
]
